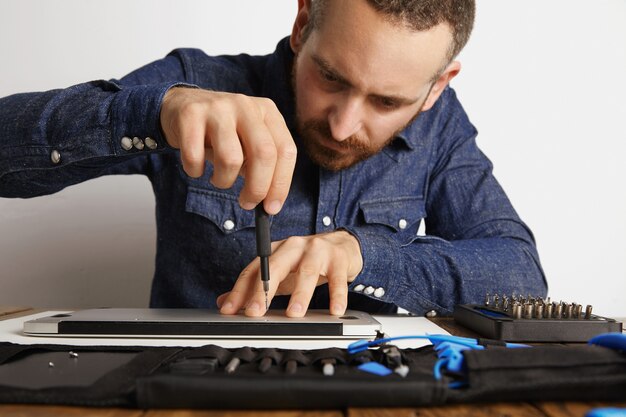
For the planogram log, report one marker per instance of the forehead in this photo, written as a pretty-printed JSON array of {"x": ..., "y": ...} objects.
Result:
[{"x": 376, "y": 52}]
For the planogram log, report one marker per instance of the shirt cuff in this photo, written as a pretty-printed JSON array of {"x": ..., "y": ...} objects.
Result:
[
  {"x": 381, "y": 257},
  {"x": 136, "y": 118}
]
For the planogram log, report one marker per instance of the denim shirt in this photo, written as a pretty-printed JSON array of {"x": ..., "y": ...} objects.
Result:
[{"x": 432, "y": 172}]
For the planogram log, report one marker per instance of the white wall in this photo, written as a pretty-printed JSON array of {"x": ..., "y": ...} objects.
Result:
[{"x": 543, "y": 81}]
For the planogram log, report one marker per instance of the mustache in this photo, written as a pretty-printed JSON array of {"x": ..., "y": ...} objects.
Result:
[{"x": 323, "y": 129}]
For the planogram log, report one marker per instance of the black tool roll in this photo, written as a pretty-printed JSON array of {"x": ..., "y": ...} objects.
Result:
[
  {"x": 550, "y": 372},
  {"x": 215, "y": 377}
]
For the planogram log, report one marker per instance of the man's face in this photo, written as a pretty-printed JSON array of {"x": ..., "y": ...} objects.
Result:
[{"x": 359, "y": 79}]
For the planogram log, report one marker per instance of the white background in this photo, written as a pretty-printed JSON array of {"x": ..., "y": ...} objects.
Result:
[{"x": 544, "y": 82}]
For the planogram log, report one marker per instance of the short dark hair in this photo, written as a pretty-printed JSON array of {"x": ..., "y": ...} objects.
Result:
[{"x": 418, "y": 15}]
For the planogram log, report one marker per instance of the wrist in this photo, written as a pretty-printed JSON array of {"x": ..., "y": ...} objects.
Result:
[{"x": 353, "y": 247}]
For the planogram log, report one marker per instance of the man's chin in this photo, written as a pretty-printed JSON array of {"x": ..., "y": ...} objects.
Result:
[
  {"x": 335, "y": 162},
  {"x": 329, "y": 154},
  {"x": 332, "y": 165}
]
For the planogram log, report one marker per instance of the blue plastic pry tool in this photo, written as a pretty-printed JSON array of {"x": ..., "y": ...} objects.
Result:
[
  {"x": 449, "y": 351},
  {"x": 606, "y": 412},
  {"x": 375, "y": 368},
  {"x": 615, "y": 341}
]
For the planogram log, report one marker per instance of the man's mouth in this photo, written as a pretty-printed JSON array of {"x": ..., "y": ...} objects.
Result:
[{"x": 331, "y": 144}]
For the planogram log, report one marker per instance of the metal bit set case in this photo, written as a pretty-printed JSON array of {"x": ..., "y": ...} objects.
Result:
[{"x": 517, "y": 318}]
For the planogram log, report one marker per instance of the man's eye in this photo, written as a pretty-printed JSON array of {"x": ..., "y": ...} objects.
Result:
[
  {"x": 327, "y": 76},
  {"x": 387, "y": 103}
]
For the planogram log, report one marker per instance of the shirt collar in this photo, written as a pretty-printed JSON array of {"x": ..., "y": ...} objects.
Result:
[
  {"x": 404, "y": 137},
  {"x": 421, "y": 127}
]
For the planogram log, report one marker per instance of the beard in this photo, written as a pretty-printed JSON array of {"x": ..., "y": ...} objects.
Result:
[{"x": 329, "y": 153}]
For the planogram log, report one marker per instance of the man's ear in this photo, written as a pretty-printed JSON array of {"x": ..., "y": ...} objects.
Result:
[
  {"x": 440, "y": 84},
  {"x": 302, "y": 19}
]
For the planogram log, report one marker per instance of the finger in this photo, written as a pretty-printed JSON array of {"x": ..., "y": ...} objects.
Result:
[
  {"x": 227, "y": 154},
  {"x": 338, "y": 286},
  {"x": 220, "y": 299},
  {"x": 248, "y": 285},
  {"x": 255, "y": 304},
  {"x": 307, "y": 276},
  {"x": 260, "y": 154},
  {"x": 242, "y": 291},
  {"x": 285, "y": 162},
  {"x": 284, "y": 259},
  {"x": 190, "y": 131}
]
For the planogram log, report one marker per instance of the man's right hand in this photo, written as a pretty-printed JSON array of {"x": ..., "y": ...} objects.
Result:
[{"x": 239, "y": 135}]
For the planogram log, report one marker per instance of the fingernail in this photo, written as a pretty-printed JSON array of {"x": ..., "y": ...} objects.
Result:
[
  {"x": 253, "y": 306},
  {"x": 227, "y": 307},
  {"x": 336, "y": 309},
  {"x": 246, "y": 205},
  {"x": 274, "y": 207},
  {"x": 295, "y": 308}
]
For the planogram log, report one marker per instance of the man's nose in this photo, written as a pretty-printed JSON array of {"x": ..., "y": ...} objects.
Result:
[{"x": 346, "y": 118}]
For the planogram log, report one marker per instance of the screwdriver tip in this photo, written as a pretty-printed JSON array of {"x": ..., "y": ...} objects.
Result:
[{"x": 266, "y": 288}]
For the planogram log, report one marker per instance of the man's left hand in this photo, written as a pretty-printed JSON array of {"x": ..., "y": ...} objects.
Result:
[{"x": 297, "y": 265}]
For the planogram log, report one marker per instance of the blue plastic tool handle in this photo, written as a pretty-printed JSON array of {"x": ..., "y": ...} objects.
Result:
[
  {"x": 455, "y": 359},
  {"x": 615, "y": 341},
  {"x": 435, "y": 339},
  {"x": 607, "y": 412},
  {"x": 375, "y": 368}
]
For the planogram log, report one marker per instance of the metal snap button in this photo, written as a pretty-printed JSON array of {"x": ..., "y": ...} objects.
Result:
[
  {"x": 138, "y": 143},
  {"x": 229, "y": 225},
  {"x": 55, "y": 157},
  {"x": 126, "y": 143},
  {"x": 150, "y": 143}
]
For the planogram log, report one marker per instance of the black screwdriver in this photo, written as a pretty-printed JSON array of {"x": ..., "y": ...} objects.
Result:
[{"x": 263, "y": 246}]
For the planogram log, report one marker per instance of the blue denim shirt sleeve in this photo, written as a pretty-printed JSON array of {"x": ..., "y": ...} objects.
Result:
[
  {"x": 84, "y": 125},
  {"x": 474, "y": 243}
]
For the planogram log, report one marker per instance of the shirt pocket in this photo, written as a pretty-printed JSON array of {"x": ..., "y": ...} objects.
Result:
[
  {"x": 220, "y": 208},
  {"x": 401, "y": 214}
]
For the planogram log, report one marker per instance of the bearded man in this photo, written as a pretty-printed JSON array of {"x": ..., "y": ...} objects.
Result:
[{"x": 348, "y": 134}]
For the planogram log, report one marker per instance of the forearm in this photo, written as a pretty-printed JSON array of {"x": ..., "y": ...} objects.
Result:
[
  {"x": 429, "y": 273},
  {"x": 53, "y": 139}
]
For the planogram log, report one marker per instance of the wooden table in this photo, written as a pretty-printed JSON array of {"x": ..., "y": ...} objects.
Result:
[{"x": 542, "y": 409}]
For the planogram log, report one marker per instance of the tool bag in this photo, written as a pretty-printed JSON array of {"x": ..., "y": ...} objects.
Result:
[{"x": 209, "y": 377}]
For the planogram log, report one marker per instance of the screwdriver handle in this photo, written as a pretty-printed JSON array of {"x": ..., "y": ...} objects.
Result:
[{"x": 262, "y": 228}]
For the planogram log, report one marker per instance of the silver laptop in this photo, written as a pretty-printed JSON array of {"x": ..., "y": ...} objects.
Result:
[{"x": 198, "y": 323}]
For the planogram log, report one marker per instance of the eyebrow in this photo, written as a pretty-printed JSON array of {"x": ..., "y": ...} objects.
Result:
[{"x": 326, "y": 67}]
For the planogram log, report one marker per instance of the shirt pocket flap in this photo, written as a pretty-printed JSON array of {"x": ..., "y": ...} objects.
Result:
[
  {"x": 401, "y": 214},
  {"x": 221, "y": 209}
]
